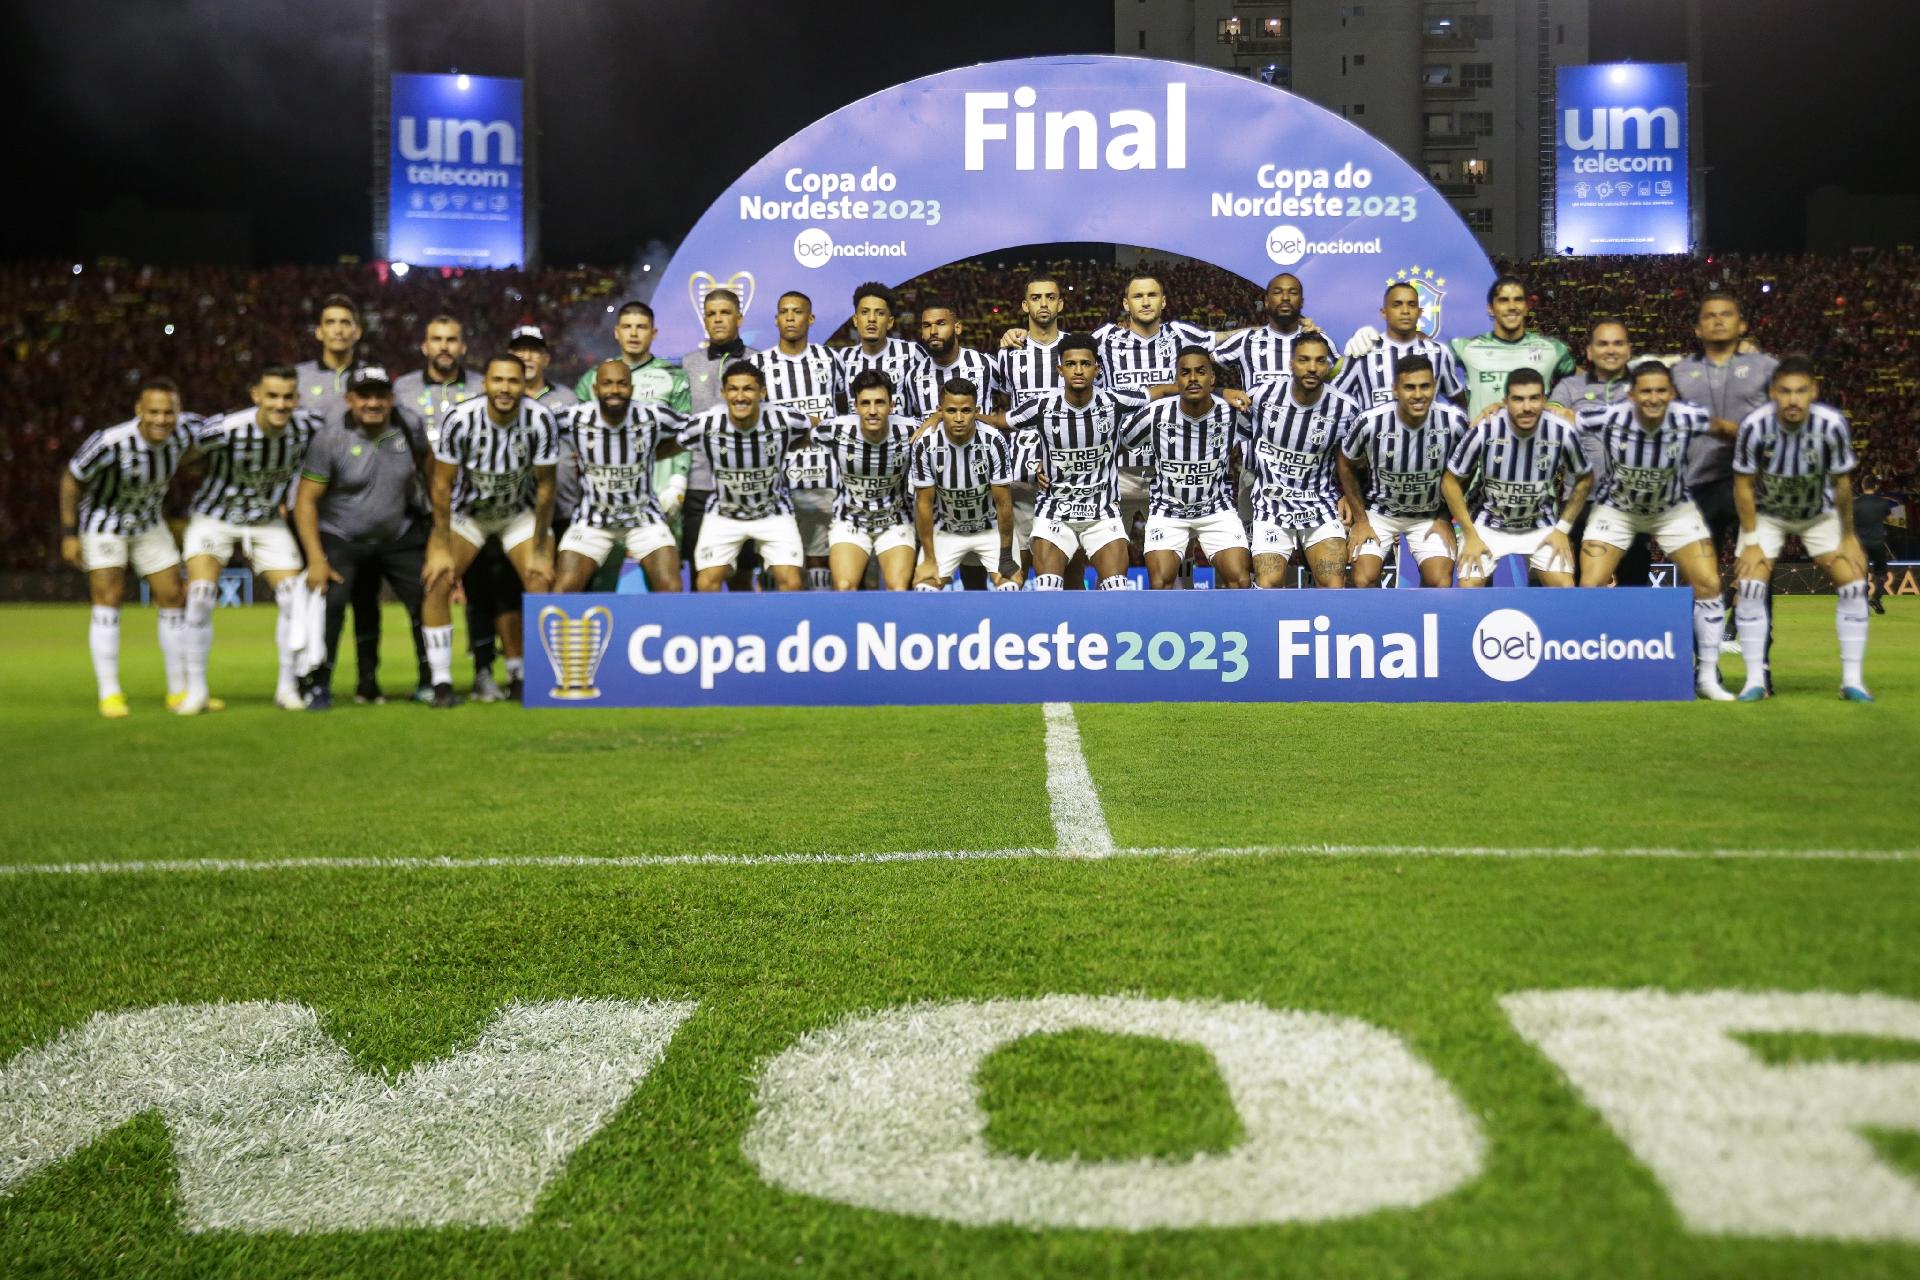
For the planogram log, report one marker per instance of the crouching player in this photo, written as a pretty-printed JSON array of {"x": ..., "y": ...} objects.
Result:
[
  {"x": 1403, "y": 447},
  {"x": 745, "y": 442},
  {"x": 868, "y": 450},
  {"x": 1521, "y": 454},
  {"x": 1793, "y": 473},
  {"x": 1189, "y": 441},
  {"x": 1643, "y": 443},
  {"x": 962, "y": 509},
  {"x": 617, "y": 442}
]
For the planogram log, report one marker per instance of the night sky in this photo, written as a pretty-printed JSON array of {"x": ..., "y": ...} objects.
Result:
[{"x": 648, "y": 108}]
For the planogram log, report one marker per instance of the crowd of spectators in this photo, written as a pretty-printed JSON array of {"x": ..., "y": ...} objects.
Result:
[{"x": 79, "y": 338}]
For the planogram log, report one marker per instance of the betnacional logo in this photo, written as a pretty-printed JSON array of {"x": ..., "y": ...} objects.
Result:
[
  {"x": 815, "y": 248},
  {"x": 701, "y": 283},
  {"x": 1507, "y": 646},
  {"x": 575, "y": 647}
]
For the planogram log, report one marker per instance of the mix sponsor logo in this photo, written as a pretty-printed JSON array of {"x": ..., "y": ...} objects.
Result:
[
  {"x": 815, "y": 248},
  {"x": 1288, "y": 244},
  {"x": 1508, "y": 646}
]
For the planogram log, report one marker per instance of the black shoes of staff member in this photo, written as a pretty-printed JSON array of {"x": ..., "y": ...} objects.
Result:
[{"x": 443, "y": 698}]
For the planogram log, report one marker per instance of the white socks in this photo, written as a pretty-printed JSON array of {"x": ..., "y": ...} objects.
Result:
[
  {"x": 1049, "y": 582},
  {"x": 1850, "y": 622},
  {"x": 200, "y": 598},
  {"x": 819, "y": 579},
  {"x": 439, "y": 653},
  {"x": 287, "y": 597},
  {"x": 103, "y": 641},
  {"x": 515, "y": 668},
  {"x": 173, "y": 649},
  {"x": 1750, "y": 624},
  {"x": 1118, "y": 582},
  {"x": 1709, "y": 620}
]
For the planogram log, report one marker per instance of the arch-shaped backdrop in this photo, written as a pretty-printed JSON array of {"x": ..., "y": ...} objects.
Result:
[{"x": 1186, "y": 159}]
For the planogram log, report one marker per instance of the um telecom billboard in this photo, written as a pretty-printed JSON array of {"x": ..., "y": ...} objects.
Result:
[
  {"x": 455, "y": 195},
  {"x": 1621, "y": 159}
]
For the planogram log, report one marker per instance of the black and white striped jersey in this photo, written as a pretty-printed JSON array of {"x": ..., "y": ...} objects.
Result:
[
  {"x": 749, "y": 464},
  {"x": 1261, "y": 355},
  {"x": 976, "y": 367},
  {"x": 871, "y": 493},
  {"x": 123, "y": 478},
  {"x": 1368, "y": 380},
  {"x": 1129, "y": 359},
  {"x": 1289, "y": 447},
  {"x": 1793, "y": 467},
  {"x": 1520, "y": 476},
  {"x": 494, "y": 463},
  {"x": 1404, "y": 464},
  {"x": 1029, "y": 369},
  {"x": 615, "y": 462},
  {"x": 1640, "y": 472},
  {"x": 962, "y": 477},
  {"x": 804, "y": 382},
  {"x": 1189, "y": 457},
  {"x": 248, "y": 466},
  {"x": 902, "y": 361},
  {"x": 1077, "y": 448}
]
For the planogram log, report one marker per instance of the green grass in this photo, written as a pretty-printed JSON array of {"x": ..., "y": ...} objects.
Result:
[{"x": 406, "y": 965}]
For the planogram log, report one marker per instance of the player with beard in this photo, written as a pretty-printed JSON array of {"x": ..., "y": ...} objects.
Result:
[
  {"x": 1293, "y": 436},
  {"x": 1403, "y": 449},
  {"x": 1024, "y": 373},
  {"x": 1522, "y": 456},
  {"x": 1265, "y": 353},
  {"x": 617, "y": 443}
]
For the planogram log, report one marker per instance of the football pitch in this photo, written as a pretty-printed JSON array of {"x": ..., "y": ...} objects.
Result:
[{"x": 1204, "y": 989}]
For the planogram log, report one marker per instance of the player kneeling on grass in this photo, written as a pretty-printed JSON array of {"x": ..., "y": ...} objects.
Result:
[
  {"x": 1644, "y": 444},
  {"x": 868, "y": 453},
  {"x": 962, "y": 509},
  {"x": 1403, "y": 447},
  {"x": 1793, "y": 474},
  {"x": 1189, "y": 441},
  {"x": 745, "y": 442},
  {"x": 1521, "y": 454},
  {"x": 617, "y": 442},
  {"x": 1292, "y": 439},
  {"x": 251, "y": 457},
  {"x": 493, "y": 469},
  {"x": 110, "y": 497}
]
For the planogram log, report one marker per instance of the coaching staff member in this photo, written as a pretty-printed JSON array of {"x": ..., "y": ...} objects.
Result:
[{"x": 361, "y": 511}]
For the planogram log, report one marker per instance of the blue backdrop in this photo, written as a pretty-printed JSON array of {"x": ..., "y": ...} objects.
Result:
[
  {"x": 1137, "y": 151},
  {"x": 860, "y": 648},
  {"x": 455, "y": 193},
  {"x": 1621, "y": 171}
]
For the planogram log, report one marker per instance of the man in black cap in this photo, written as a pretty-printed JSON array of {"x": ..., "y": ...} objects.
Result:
[{"x": 361, "y": 510}]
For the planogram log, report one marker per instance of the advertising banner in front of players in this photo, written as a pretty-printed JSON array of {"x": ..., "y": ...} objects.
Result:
[
  {"x": 910, "y": 648},
  {"x": 1166, "y": 155},
  {"x": 456, "y": 166},
  {"x": 1620, "y": 181}
]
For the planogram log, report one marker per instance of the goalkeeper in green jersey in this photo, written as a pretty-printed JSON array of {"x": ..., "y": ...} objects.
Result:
[{"x": 1486, "y": 359}]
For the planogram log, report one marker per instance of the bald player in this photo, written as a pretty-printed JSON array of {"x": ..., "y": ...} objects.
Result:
[{"x": 616, "y": 442}]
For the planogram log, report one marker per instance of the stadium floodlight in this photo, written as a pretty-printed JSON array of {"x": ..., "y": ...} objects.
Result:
[
  {"x": 400, "y": 270},
  {"x": 76, "y": 268},
  {"x": 464, "y": 83},
  {"x": 168, "y": 331}
]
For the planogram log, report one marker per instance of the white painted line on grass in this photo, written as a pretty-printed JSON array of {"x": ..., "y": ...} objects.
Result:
[
  {"x": 148, "y": 866},
  {"x": 1079, "y": 822}
]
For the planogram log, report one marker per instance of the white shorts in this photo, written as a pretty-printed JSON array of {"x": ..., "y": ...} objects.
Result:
[
  {"x": 1069, "y": 536},
  {"x": 1417, "y": 530},
  {"x": 1531, "y": 543},
  {"x": 951, "y": 550},
  {"x": 1820, "y": 534},
  {"x": 151, "y": 550},
  {"x": 639, "y": 541},
  {"x": 813, "y": 514},
  {"x": 776, "y": 538},
  {"x": 888, "y": 539},
  {"x": 269, "y": 546},
  {"x": 1283, "y": 540},
  {"x": 1221, "y": 531},
  {"x": 1022, "y": 492},
  {"x": 511, "y": 530},
  {"x": 1678, "y": 526}
]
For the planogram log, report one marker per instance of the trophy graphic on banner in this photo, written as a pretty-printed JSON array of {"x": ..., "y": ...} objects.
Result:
[{"x": 575, "y": 647}]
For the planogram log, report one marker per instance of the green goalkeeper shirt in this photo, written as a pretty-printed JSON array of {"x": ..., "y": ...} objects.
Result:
[{"x": 1487, "y": 360}]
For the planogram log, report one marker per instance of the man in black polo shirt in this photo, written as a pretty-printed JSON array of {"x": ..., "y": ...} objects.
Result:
[{"x": 361, "y": 509}]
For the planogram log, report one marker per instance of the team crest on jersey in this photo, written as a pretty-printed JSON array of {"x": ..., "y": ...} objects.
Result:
[
  {"x": 1431, "y": 287},
  {"x": 702, "y": 283}
]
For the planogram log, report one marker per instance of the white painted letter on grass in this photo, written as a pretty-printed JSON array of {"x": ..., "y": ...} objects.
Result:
[
  {"x": 1743, "y": 1148},
  {"x": 1340, "y": 1117},
  {"x": 274, "y": 1129}
]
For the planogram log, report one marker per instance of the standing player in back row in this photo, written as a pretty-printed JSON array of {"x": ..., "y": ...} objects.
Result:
[
  {"x": 1188, "y": 441},
  {"x": 1487, "y": 358},
  {"x": 1793, "y": 469},
  {"x": 801, "y": 374},
  {"x": 1265, "y": 354},
  {"x": 1024, "y": 372},
  {"x": 1293, "y": 435},
  {"x": 110, "y": 496},
  {"x": 252, "y": 457},
  {"x": 1520, "y": 455},
  {"x": 1403, "y": 447},
  {"x": 1367, "y": 378},
  {"x": 904, "y": 363}
]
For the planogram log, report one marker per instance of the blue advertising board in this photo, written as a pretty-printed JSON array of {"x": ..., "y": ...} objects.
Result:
[
  {"x": 1166, "y": 155},
  {"x": 908, "y": 648},
  {"x": 456, "y": 164},
  {"x": 1621, "y": 159}
]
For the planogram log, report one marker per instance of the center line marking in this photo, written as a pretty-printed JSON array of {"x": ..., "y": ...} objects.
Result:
[{"x": 1079, "y": 823}]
